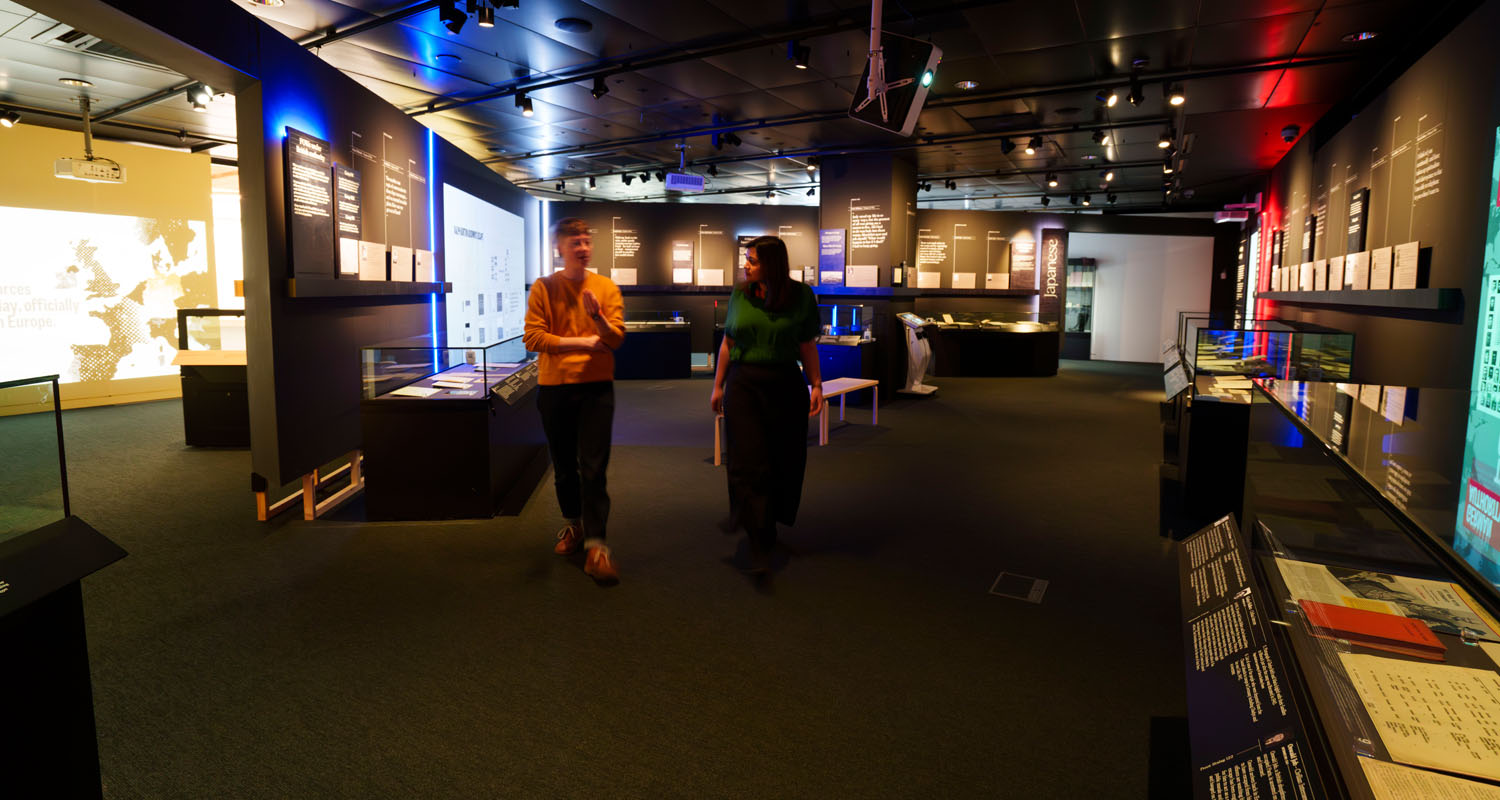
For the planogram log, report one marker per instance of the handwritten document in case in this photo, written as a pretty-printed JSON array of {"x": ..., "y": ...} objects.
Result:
[{"x": 1432, "y": 715}]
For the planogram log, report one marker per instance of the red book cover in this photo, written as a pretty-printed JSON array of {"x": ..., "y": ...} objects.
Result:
[{"x": 1371, "y": 627}]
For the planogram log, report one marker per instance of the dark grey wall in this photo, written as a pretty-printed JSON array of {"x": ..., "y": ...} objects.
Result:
[{"x": 1443, "y": 107}]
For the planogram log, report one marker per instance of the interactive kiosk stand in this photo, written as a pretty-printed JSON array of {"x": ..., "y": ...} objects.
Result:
[{"x": 918, "y": 354}]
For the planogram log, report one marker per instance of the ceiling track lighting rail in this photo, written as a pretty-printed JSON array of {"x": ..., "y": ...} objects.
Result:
[
  {"x": 129, "y": 126},
  {"x": 708, "y": 130},
  {"x": 707, "y": 47}
]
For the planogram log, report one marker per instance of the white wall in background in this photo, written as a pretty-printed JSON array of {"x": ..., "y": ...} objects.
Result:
[{"x": 1143, "y": 281}]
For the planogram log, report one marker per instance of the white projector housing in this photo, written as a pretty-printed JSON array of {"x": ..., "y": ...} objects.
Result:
[{"x": 93, "y": 171}]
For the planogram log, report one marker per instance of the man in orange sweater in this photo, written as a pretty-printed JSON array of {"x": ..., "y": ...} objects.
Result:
[{"x": 575, "y": 319}]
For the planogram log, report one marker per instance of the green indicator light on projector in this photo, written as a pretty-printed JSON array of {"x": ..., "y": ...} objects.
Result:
[{"x": 927, "y": 78}]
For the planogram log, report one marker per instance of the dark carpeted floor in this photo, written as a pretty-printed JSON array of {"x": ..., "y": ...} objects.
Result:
[{"x": 236, "y": 659}]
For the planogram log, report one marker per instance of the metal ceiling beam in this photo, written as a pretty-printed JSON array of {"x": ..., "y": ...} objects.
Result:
[
  {"x": 708, "y": 47},
  {"x": 154, "y": 97},
  {"x": 129, "y": 126},
  {"x": 330, "y": 36}
]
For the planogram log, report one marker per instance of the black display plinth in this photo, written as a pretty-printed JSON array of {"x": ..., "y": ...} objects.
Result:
[
  {"x": 216, "y": 406},
  {"x": 1213, "y": 438},
  {"x": 49, "y": 740},
  {"x": 659, "y": 353},
  {"x": 966, "y": 353},
  {"x": 427, "y": 458},
  {"x": 1077, "y": 346}
]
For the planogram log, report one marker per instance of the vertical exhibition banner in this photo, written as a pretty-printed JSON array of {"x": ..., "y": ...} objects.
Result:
[
  {"x": 309, "y": 205},
  {"x": 1054, "y": 260},
  {"x": 1023, "y": 261},
  {"x": 1476, "y": 536},
  {"x": 831, "y": 257}
]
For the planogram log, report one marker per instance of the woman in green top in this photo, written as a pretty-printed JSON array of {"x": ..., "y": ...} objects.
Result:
[{"x": 772, "y": 324}]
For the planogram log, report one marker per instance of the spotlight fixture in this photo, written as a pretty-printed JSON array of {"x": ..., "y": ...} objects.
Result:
[
  {"x": 1175, "y": 96},
  {"x": 645, "y": 177},
  {"x": 1072, "y": 199},
  {"x": 661, "y": 176},
  {"x": 600, "y": 89},
  {"x": 200, "y": 93},
  {"x": 950, "y": 185},
  {"x": 1007, "y": 146},
  {"x": 593, "y": 184},
  {"x": 925, "y": 187},
  {"x": 812, "y": 191},
  {"x": 1108, "y": 97},
  {"x": 1165, "y": 140},
  {"x": 1034, "y": 145},
  {"x": 713, "y": 170},
  {"x": 561, "y": 185},
  {"x": 1166, "y": 167},
  {"x": 1136, "y": 97},
  {"x": 1111, "y": 198},
  {"x": 1046, "y": 201},
  {"x": 452, "y": 18},
  {"x": 1108, "y": 175},
  {"x": 1086, "y": 200},
  {"x": 770, "y": 194},
  {"x": 197, "y": 106},
  {"x": 798, "y": 53},
  {"x": 524, "y": 103},
  {"x": 9, "y": 119},
  {"x": 78, "y": 82},
  {"x": 1098, "y": 137},
  {"x": 486, "y": 17},
  {"x": 627, "y": 178},
  {"x": 1052, "y": 180},
  {"x": 732, "y": 140},
  {"x": 812, "y": 165}
]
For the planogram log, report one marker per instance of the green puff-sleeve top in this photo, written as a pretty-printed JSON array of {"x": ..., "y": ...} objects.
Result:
[{"x": 771, "y": 337}]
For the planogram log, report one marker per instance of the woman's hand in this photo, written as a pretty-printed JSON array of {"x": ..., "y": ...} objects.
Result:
[
  {"x": 716, "y": 400},
  {"x": 815, "y": 401}
]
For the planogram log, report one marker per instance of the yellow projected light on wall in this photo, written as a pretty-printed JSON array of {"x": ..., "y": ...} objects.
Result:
[{"x": 98, "y": 296}]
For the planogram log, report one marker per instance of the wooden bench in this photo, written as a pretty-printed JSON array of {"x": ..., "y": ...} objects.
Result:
[{"x": 838, "y": 387}]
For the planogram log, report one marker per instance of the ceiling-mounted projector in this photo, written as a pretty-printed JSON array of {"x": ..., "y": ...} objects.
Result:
[
  {"x": 99, "y": 170},
  {"x": 90, "y": 168}
]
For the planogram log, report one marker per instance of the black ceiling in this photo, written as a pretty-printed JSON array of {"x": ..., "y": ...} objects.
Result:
[{"x": 676, "y": 69}]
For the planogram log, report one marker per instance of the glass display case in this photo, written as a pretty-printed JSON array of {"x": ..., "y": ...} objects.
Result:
[
  {"x": 34, "y": 483},
  {"x": 211, "y": 358},
  {"x": 1004, "y": 321},
  {"x": 1273, "y": 348},
  {"x": 417, "y": 368},
  {"x": 846, "y": 322},
  {"x": 220, "y": 330},
  {"x": 1079, "y": 307},
  {"x": 654, "y": 320}
]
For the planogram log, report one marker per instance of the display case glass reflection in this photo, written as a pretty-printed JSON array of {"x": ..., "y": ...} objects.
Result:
[
  {"x": 1079, "y": 307},
  {"x": 841, "y": 320},
  {"x": 32, "y": 488},
  {"x": 1405, "y": 442},
  {"x": 418, "y": 368},
  {"x": 1277, "y": 349}
]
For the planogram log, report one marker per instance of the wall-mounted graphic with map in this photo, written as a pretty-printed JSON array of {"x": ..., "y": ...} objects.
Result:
[{"x": 94, "y": 297}]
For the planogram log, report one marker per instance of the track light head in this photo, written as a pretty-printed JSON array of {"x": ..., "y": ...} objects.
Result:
[
  {"x": 713, "y": 170},
  {"x": 1086, "y": 200},
  {"x": 452, "y": 18},
  {"x": 1007, "y": 146},
  {"x": 812, "y": 165},
  {"x": 798, "y": 53},
  {"x": 486, "y": 17},
  {"x": 561, "y": 185},
  {"x": 593, "y": 184},
  {"x": 600, "y": 89},
  {"x": 200, "y": 93},
  {"x": 1111, "y": 198},
  {"x": 9, "y": 119},
  {"x": 1046, "y": 201},
  {"x": 1164, "y": 140},
  {"x": 1166, "y": 167},
  {"x": 198, "y": 106},
  {"x": 1175, "y": 96},
  {"x": 1098, "y": 137},
  {"x": 1034, "y": 145},
  {"x": 1052, "y": 180},
  {"x": 1109, "y": 97},
  {"x": 627, "y": 178},
  {"x": 1108, "y": 175},
  {"x": 770, "y": 194},
  {"x": 645, "y": 177},
  {"x": 812, "y": 191},
  {"x": 1136, "y": 97},
  {"x": 661, "y": 176},
  {"x": 951, "y": 185},
  {"x": 1072, "y": 199},
  {"x": 524, "y": 103}
]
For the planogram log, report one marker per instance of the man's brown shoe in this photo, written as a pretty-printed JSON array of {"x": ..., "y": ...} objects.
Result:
[
  {"x": 569, "y": 539},
  {"x": 599, "y": 566}
]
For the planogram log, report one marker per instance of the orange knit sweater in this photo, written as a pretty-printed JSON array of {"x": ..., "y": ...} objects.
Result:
[{"x": 554, "y": 310}]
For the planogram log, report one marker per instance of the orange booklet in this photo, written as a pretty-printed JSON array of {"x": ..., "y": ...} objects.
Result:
[{"x": 1372, "y": 629}]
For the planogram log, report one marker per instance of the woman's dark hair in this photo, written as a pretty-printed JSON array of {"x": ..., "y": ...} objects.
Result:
[{"x": 775, "y": 270}]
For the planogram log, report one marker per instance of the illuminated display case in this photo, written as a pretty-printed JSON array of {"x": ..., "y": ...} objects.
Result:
[
  {"x": 846, "y": 322},
  {"x": 448, "y": 432},
  {"x": 215, "y": 383},
  {"x": 416, "y": 368},
  {"x": 1270, "y": 348},
  {"x": 658, "y": 345},
  {"x": 1078, "y": 309},
  {"x": 993, "y": 343}
]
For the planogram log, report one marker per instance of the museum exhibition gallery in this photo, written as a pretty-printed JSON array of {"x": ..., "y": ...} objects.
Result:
[{"x": 1158, "y": 457}]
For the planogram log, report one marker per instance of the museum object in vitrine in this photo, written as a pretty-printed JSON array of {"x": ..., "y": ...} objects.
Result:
[
  {"x": 418, "y": 368},
  {"x": 1274, "y": 348},
  {"x": 1078, "y": 308},
  {"x": 993, "y": 343}
]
